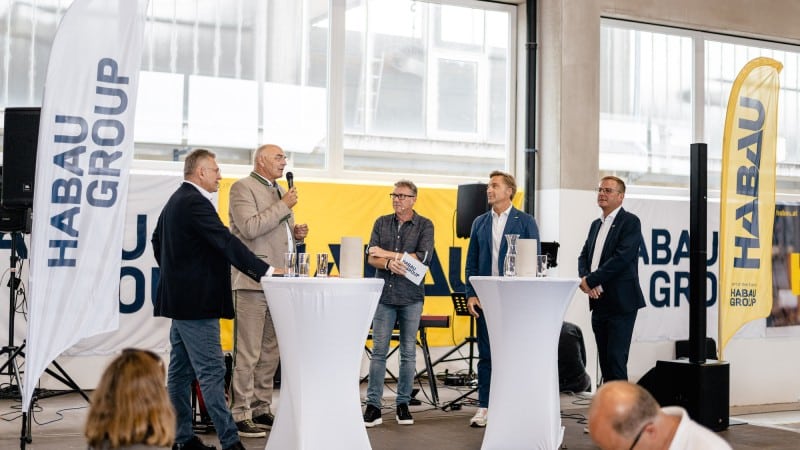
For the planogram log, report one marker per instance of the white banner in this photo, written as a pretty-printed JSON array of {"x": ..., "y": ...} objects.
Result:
[
  {"x": 81, "y": 185},
  {"x": 138, "y": 275},
  {"x": 664, "y": 271}
]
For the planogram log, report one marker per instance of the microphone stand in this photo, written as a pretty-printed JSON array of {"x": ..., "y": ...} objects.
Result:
[{"x": 15, "y": 352}]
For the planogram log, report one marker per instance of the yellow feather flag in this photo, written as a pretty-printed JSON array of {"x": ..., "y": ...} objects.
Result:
[{"x": 747, "y": 203}]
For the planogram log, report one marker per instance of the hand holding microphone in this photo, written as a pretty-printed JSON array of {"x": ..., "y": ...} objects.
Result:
[{"x": 290, "y": 198}]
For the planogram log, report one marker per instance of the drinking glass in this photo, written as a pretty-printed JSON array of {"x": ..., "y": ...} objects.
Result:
[
  {"x": 322, "y": 265},
  {"x": 541, "y": 265},
  {"x": 302, "y": 264},
  {"x": 289, "y": 261}
]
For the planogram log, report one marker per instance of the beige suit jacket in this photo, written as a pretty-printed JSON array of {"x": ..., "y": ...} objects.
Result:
[{"x": 257, "y": 218}]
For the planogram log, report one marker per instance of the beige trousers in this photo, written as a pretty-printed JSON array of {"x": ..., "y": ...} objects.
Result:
[{"x": 255, "y": 356}]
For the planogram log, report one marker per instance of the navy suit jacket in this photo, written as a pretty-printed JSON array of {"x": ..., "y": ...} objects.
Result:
[
  {"x": 479, "y": 252},
  {"x": 195, "y": 250},
  {"x": 618, "y": 271}
]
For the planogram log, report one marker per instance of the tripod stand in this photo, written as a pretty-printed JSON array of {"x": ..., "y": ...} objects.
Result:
[
  {"x": 12, "y": 366},
  {"x": 460, "y": 308},
  {"x": 14, "y": 352}
]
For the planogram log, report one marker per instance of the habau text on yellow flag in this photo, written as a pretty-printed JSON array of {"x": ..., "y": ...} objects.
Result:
[{"x": 747, "y": 199}]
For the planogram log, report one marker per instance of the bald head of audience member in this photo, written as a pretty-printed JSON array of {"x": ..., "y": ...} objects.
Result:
[{"x": 624, "y": 415}]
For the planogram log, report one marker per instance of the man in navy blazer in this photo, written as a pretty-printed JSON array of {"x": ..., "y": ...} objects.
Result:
[
  {"x": 195, "y": 251},
  {"x": 485, "y": 255},
  {"x": 609, "y": 269}
]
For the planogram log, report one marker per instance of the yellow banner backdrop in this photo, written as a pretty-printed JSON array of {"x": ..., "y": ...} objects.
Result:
[
  {"x": 333, "y": 210},
  {"x": 748, "y": 193}
]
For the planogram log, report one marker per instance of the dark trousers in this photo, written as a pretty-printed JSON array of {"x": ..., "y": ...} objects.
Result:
[
  {"x": 613, "y": 333},
  {"x": 484, "y": 360}
]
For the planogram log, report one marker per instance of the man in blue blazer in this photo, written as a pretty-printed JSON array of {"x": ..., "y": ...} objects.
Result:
[
  {"x": 195, "y": 251},
  {"x": 485, "y": 255},
  {"x": 609, "y": 269}
]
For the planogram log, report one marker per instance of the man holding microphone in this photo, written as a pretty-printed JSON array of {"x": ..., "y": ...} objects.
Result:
[{"x": 261, "y": 216}]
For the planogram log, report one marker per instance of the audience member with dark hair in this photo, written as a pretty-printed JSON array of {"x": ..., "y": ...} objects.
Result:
[
  {"x": 572, "y": 376},
  {"x": 130, "y": 408}
]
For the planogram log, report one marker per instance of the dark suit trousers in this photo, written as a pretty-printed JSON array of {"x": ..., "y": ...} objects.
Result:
[
  {"x": 612, "y": 333},
  {"x": 484, "y": 360}
]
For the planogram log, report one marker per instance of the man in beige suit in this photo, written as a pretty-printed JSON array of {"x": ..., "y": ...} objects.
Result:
[{"x": 261, "y": 216}]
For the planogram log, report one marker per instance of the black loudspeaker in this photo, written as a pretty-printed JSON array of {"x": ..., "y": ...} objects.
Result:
[
  {"x": 470, "y": 203},
  {"x": 701, "y": 389},
  {"x": 20, "y": 139},
  {"x": 551, "y": 250},
  {"x": 682, "y": 349},
  {"x": 13, "y": 219}
]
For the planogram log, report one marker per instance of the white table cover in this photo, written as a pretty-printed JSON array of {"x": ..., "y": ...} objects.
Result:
[
  {"x": 524, "y": 316},
  {"x": 321, "y": 324}
]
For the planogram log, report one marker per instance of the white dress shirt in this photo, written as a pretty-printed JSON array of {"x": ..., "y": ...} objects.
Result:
[
  {"x": 498, "y": 225},
  {"x": 605, "y": 225}
]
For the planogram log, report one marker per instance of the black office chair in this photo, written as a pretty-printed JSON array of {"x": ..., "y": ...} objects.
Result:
[{"x": 551, "y": 250}]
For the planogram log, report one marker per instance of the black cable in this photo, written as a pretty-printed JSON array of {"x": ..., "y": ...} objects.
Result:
[{"x": 58, "y": 413}]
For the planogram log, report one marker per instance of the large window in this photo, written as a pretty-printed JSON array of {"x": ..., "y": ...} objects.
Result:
[
  {"x": 421, "y": 82},
  {"x": 652, "y": 79},
  {"x": 425, "y": 83}
]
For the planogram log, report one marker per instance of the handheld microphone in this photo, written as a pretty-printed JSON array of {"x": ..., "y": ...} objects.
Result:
[{"x": 290, "y": 179}]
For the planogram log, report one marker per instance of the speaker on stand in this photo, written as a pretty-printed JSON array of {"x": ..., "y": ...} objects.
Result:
[
  {"x": 20, "y": 140},
  {"x": 471, "y": 202}
]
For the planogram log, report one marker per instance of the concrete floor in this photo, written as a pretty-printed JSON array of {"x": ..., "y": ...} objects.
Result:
[{"x": 58, "y": 424}]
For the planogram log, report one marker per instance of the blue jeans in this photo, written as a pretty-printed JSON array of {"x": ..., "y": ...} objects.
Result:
[
  {"x": 197, "y": 354},
  {"x": 484, "y": 360},
  {"x": 407, "y": 319}
]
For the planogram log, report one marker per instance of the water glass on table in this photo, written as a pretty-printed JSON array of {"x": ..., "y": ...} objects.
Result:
[
  {"x": 302, "y": 264},
  {"x": 541, "y": 265},
  {"x": 322, "y": 265},
  {"x": 289, "y": 262}
]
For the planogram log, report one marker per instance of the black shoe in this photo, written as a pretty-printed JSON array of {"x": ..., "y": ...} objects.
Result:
[
  {"x": 248, "y": 429},
  {"x": 236, "y": 446},
  {"x": 193, "y": 444},
  {"x": 264, "y": 421},
  {"x": 372, "y": 416},
  {"x": 403, "y": 416}
]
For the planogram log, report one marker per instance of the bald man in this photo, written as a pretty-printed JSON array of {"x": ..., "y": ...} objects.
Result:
[
  {"x": 624, "y": 415},
  {"x": 261, "y": 216}
]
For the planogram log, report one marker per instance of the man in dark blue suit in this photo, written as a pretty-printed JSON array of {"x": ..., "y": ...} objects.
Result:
[
  {"x": 195, "y": 250},
  {"x": 609, "y": 269},
  {"x": 485, "y": 255}
]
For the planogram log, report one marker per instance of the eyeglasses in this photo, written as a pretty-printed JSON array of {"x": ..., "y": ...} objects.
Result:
[
  {"x": 606, "y": 190},
  {"x": 400, "y": 196},
  {"x": 639, "y": 436}
]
